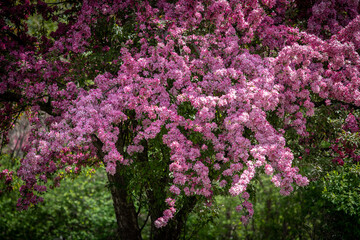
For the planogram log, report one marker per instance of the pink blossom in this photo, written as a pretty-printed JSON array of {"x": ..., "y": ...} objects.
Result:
[{"x": 175, "y": 190}]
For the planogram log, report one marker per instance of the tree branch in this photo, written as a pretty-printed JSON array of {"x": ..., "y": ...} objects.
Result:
[
  {"x": 147, "y": 218},
  {"x": 14, "y": 97}
]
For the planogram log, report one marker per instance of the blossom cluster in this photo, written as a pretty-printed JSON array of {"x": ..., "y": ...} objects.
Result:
[{"x": 344, "y": 148}]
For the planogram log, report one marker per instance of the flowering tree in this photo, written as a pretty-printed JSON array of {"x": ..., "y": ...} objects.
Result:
[{"x": 179, "y": 100}]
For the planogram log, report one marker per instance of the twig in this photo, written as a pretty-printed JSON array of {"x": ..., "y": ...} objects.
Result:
[
  {"x": 116, "y": 85},
  {"x": 147, "y": 218}
]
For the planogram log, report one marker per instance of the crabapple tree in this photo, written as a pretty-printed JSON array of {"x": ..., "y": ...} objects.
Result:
[{"x": 180, "y": 101}]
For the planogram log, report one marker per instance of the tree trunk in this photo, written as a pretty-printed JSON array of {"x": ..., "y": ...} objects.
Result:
[
  {"x": 126, "y": 215},
  {"x": 128, "y": 227},
  {"x": 174, "y": 228}
]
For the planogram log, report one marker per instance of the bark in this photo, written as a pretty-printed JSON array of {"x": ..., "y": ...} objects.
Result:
[
  {"x": 126, "y": 215},
  {"x": 174, "y": 228},
  {"x": 128, "y": 227}
]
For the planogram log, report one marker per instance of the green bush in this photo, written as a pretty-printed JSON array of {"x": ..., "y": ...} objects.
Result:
[{"x": 80, "y": 209}]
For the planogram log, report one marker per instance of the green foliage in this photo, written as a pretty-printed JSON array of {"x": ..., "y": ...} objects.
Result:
[
  {"x": 79, "y": 209},
  {"x": 342, "y": 189},
  {"x": 220, "y": 221},
  {"x": 38, "y": 26}
]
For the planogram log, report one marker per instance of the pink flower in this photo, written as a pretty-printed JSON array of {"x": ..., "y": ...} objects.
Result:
[
  {"x": 160, "y": 222},
  {"x": 170, "y": 202},
  {"x": 175, "y": 190}
]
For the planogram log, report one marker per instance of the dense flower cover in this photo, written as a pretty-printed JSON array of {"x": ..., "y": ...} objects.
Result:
[{"x": 203, "y": 75}]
